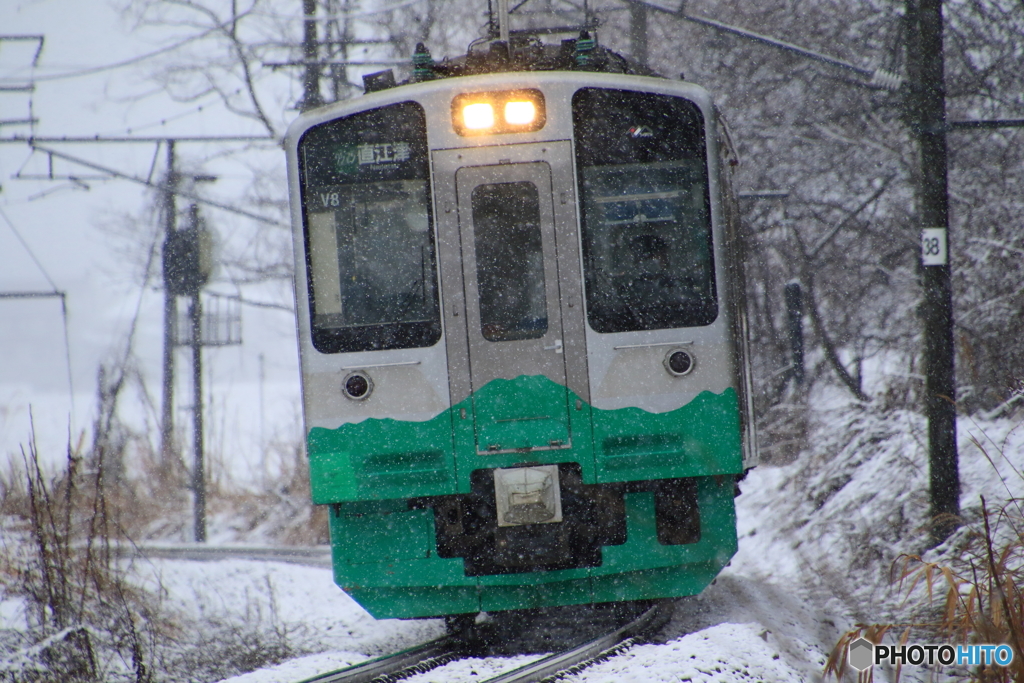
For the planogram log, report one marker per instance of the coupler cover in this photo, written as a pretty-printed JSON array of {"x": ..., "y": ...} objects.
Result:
[{"x": 527, "y": 495}]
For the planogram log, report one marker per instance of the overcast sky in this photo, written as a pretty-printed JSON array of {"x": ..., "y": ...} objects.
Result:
[{"x": 80, "y": 236}]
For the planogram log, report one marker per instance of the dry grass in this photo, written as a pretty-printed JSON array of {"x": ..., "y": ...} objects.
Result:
[
  {"x": 64, "y": 536},
  {"x": 151, "y": 498},
  {"x": 64, "y": 540},
  {"x": 60, "y": 557},
  {"x": 282, "y": 512},
  {"x": 978, "y": 598}
]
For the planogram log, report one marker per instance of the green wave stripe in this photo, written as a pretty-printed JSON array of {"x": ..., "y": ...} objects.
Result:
[{"x": 382, "y": 459}]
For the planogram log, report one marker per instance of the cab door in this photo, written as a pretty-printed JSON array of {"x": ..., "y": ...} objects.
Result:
[{"x": 503, "y": 299}]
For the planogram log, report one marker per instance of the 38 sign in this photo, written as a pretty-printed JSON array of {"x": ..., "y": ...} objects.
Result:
[{"x": 933, "y": 247}]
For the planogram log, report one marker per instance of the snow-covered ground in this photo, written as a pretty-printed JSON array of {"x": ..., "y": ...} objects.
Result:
[{"x": 817, "y": 539}]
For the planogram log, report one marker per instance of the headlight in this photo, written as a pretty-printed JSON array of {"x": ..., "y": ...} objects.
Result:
[
  {"x": 520, "y": 113},
  {"x": 478, "y": 116},
  {"x": 488, "y": 113}
]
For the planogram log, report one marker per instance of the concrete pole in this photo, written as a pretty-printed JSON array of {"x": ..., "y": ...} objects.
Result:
[
  {"x": 199, "y": 468},
  {"x": 927, "y": 119},
  {"x": 638, "y": 32},
  {"x": 311, "y": 98},
  {"x": 170, "y": 314}
]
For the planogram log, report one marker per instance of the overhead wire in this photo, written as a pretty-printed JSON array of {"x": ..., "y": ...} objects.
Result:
[
  {"x": 28, "y": 249},
  {"x": 63, "y": 308},
  {"x": 335, "y": 15},
  {"x": 99, "y": 69},
  {"x": 190, "y": 112},
  {"x": 138, "y": 58}
]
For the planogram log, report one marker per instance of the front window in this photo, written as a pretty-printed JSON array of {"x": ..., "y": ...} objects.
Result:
[
  {"x": 369, "y": 233},
  {"x": 648, "y": 261}
]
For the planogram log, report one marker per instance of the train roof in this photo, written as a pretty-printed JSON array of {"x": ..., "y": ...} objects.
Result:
[{"x": 523, "y": 52}]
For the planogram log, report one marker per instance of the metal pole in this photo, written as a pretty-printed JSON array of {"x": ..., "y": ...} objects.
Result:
[
  {"x": 339, "y": 71},
  {"x": 928, "y": 121},
  {"x": 793, "y": 295},
  {"x": 503, "y": 28},
  {"x": 311, "y": 98},
  {"x": 638, "y": 32},
  {"x": 263, "y": 437},
  {"x": 198, "y": 470},
  {"x": 170, "y": 315}
]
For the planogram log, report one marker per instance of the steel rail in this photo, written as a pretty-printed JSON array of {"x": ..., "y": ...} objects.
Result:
[
  {"x": 602, "y": 647},
  {"x": 309, "y": 556},
  {"x": 419, "y": 659}
]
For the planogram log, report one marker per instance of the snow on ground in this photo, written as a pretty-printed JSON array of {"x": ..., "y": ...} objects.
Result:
[
  {"x": 817, "y": 539},
  {"x": 302, "y": 603},
  {"x": 739, "y": 629}
]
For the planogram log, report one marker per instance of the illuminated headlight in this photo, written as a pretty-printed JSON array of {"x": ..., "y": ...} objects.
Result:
[
  {"x": 478, "y": 116},
  {"x": 519, "y": 113},
  {"x": 506, "y": 111}
]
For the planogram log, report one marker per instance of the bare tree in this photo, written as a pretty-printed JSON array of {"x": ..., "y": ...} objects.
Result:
[
  {"x": 842, "y": 150},
  {"x": 838, "y": 144}
]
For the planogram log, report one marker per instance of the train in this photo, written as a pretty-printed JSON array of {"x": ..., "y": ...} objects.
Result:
[{"x": 523, "y": 339}]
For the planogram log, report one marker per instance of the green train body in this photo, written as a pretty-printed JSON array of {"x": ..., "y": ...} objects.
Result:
[{"x": 522, "y": 344}]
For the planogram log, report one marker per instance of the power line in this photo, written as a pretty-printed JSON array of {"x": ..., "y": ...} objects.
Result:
[
  {"x": 141, "y": 181},
  {"x": 32, "y": 139},
  {"x": 28, "y": 249},
  {"x": 128, "y": 62},
  {"x": 308, "y": 62},
  {"x": 31, "y": 295}
]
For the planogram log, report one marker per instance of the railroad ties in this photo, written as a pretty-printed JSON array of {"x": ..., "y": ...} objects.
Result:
[{"x": 549, "y": 669}]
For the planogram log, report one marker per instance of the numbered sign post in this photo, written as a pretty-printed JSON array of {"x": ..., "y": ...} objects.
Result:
[{"x": 933, "y": 247}]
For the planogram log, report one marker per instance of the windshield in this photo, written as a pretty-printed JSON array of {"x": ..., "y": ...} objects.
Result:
[
  {"x": 648, "y": 260},
  {"x": 369, "y": 233}
]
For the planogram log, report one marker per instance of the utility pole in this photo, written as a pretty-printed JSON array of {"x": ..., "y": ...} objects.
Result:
[
  {"x": 188, "y": 262},
  {"x": 638, "y": 32},
  {"x": 311, "y": 98},
  {"x": 195, "y": 310},
  {"x": 170, "y": 318},
  {"x": 927, "y": 119},
  {"x": 339, "y": 69},
  {"x": 263, "y": 434},
  {"x": 794, "y": 298}
]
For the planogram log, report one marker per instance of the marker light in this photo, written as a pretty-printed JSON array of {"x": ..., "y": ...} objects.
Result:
[
  {"x": 498, "y": 112},
  {"x": 520, "y": 113},
  {"x": 478, "y": 116}
]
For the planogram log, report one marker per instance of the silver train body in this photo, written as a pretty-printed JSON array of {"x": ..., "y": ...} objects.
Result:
[{"x": 522, "y": 297}]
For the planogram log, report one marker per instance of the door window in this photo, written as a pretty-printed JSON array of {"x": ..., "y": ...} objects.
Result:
[{"x": 509, "y": 261}]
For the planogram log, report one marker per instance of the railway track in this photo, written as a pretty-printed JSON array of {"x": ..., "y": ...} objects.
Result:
[
  {"x": 309, "y": 556},
  {"x": 400, "y": 665},
  {"x": 442, "y": 651},
  {"x": 436, "y": 653}
]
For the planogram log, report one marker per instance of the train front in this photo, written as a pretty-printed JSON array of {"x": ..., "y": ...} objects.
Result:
[{"x": 521, "y": 350}]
